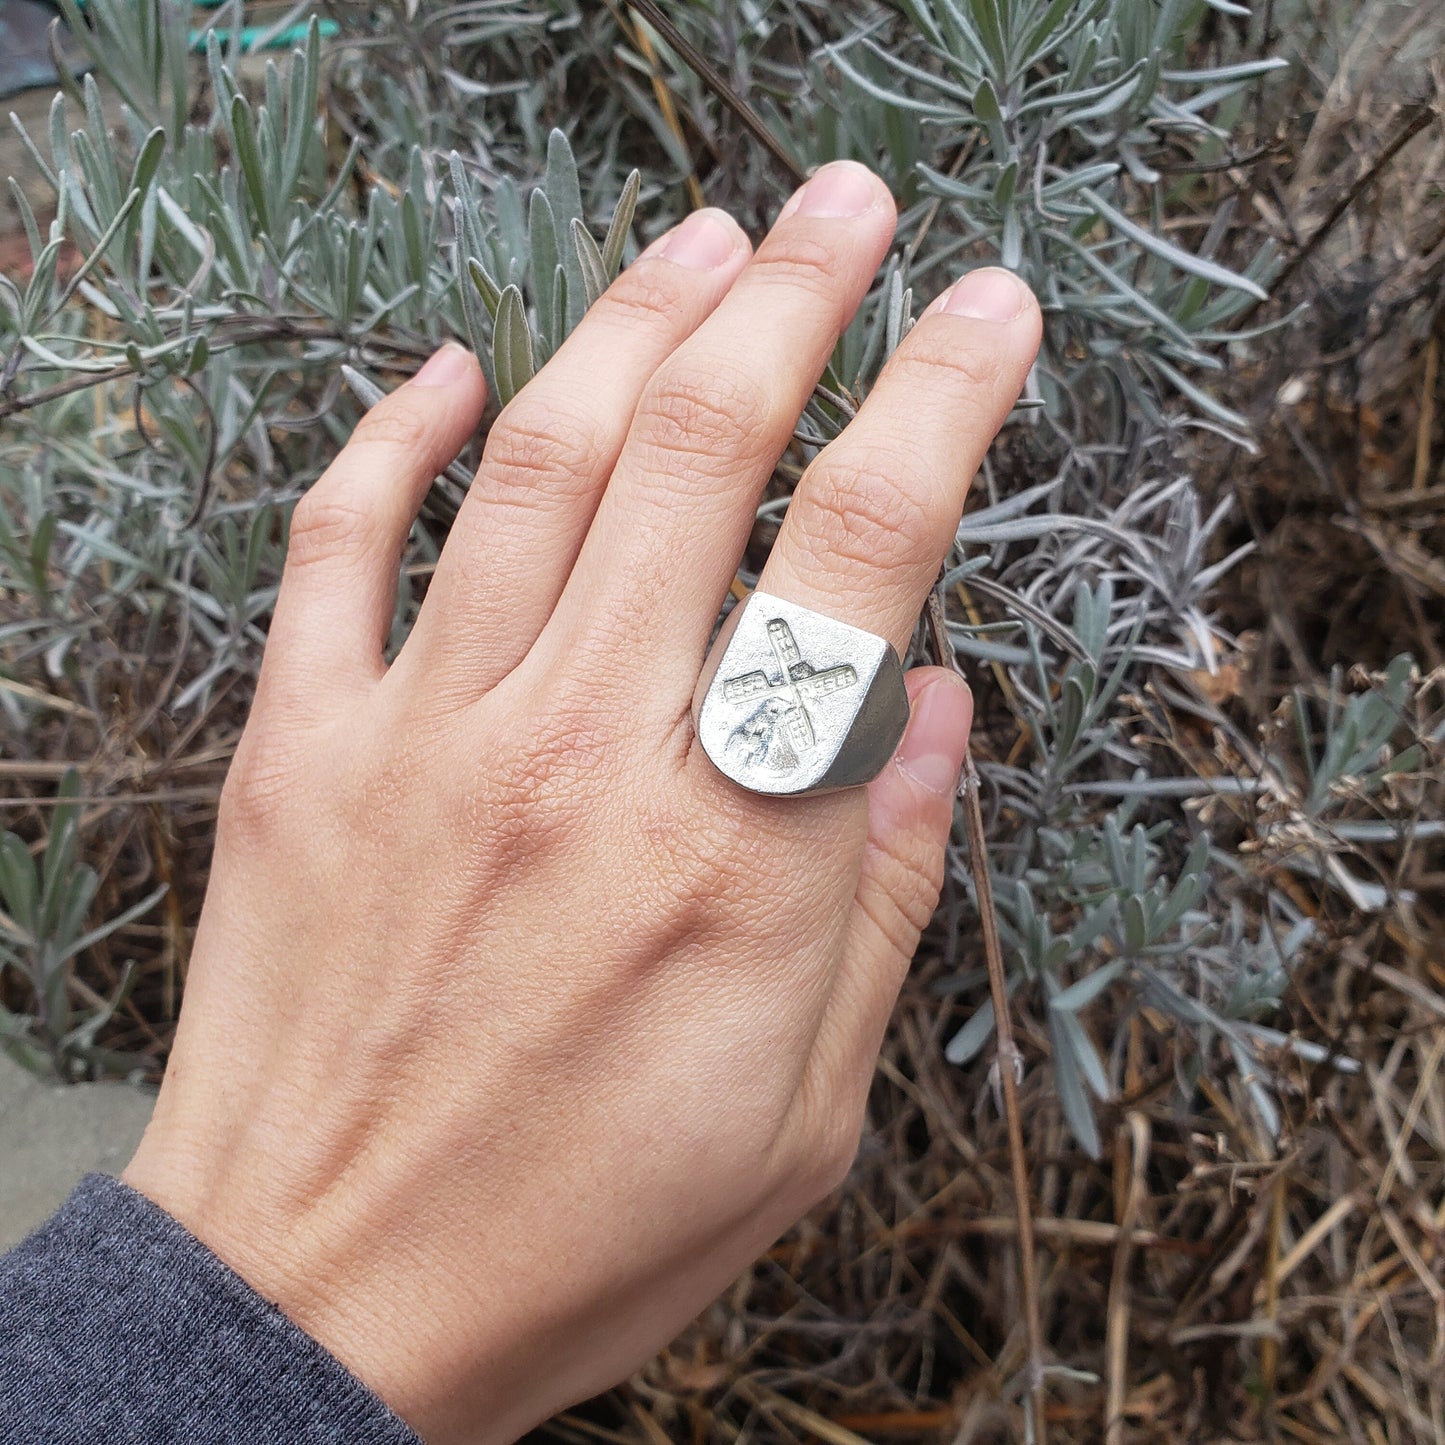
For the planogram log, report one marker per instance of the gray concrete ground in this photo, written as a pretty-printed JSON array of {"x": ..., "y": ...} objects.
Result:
[{"x": 51, "y": 1135}]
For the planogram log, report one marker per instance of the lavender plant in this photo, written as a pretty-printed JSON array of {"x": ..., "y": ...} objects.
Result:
[{"x": 241, "y": 252}]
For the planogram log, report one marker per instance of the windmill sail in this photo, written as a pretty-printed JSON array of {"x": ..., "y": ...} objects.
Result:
[
  {"x": 783, "y": 717},
  {"x": 833, "y": 679},
  {"x": 750, "y": 684},
  {"x": 800, "y": 729},
  {"x": 785, "y": 646}
]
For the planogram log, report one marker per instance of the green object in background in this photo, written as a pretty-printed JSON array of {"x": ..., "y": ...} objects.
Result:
[
  {"x": 25, "y": 60},
  {"x": 253, "y": 36}
]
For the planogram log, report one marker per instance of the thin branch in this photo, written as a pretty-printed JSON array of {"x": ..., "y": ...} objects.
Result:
[
  {"x": 246, "y": 331},
  {"x": 1407, "y": 132},
  {"x": 663, "y": 94},
  {"x": 1418, "y": 120},
  {"x": 700, "y": 66},
  {"x": 1425, "y": 430},
  {"x": 1116, "y": 1341},
  {"x": 1009, "y": 1061}
]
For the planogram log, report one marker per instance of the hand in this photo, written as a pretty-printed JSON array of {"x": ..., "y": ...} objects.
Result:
[{"x": 513, "y": 1029}]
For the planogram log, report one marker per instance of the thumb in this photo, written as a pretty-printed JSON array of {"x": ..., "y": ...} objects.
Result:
[
  {"x": 910, "y": 814},
  {"x": 910, "y": 808}
]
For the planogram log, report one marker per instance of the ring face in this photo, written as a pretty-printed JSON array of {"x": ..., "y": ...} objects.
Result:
[{"x": 793, "y": 701}]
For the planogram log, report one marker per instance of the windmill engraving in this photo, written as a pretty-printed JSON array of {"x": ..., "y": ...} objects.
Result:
[{"x": 781, "y": 728}]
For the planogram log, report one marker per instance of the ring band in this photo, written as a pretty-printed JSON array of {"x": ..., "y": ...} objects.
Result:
[{"x": 792, "y": 701}]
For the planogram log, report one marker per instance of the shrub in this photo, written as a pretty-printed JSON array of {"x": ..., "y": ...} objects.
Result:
[{"x": 244, "y": 252}]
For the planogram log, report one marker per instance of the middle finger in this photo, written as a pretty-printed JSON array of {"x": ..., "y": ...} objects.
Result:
[{"x": 709, "y": 430}]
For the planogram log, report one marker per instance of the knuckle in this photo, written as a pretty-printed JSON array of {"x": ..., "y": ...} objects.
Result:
[
  {"x": 910, "y": 869},
  {"x": 538, "y": 790},
  {"x": 248, "y": 802},
  {"x": 325, "y": 523},
  {"x": 395, "y": 424},
  {"x": 698, "y": 862},
  {"x": 258, "y": 786},
  {"x": 852, "y": 507},
  {"x": 798, "y": 260},
  {"x": 835, "y": 1146},
  {"x": 819, "y": 1142},
  {"x": 541, "y": 448},
  {"x": 933, "y": 361},
  {"x": 642, "y": 294},
  {"x": 836, "y": 1166},
  {"x": 710, "y": 409}
]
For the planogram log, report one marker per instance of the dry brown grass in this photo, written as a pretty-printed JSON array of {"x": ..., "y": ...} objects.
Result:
[{"x": 1218, "y": 1284}]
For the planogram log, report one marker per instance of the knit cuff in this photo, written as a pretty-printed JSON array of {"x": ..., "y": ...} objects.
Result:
[{"x": 117, "y": 1325}]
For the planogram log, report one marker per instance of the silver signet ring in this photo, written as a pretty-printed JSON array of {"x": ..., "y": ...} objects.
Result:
[{"x": 792, "y": 701}]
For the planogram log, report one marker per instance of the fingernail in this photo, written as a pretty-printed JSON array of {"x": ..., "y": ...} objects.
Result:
[
  {"x": 990, "y": 294},
  {"x": 444, "y": 367},
  {"x": 932, "y": 750},
  {"x": 841, "y": 188},
  {"x": 704, "y": 240}
]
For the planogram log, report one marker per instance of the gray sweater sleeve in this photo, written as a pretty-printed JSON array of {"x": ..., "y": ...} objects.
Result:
[{"x": 118, "y": 1327}]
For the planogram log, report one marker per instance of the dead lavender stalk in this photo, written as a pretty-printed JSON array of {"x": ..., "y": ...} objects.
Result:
[{"x": 1009, "y": 1062}]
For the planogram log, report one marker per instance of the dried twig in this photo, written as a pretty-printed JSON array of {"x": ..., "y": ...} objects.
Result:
[
  {"x": 226, "y": 335},
  {"x": 1009, "y": 1060},
  {"x": 1116, "y": 1348},
  {"x": 662, "y": 93},
  {"x": 708, "y": 74},
  {"x": 1414, "y": 123},
  {"x": 1269, "y": 1311},
  {"x": 1426, "y": 428}
]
